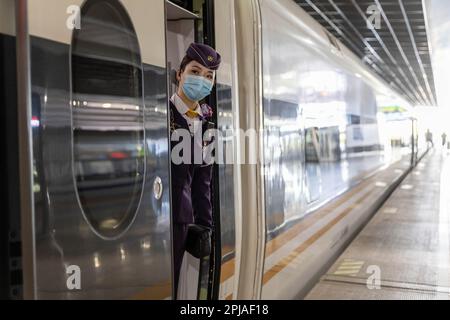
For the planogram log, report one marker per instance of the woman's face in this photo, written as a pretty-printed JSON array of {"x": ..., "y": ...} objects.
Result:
[{"x": 196, "y": 69}]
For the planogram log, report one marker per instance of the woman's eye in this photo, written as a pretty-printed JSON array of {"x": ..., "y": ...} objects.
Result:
[{"x": 194, "y": 71}]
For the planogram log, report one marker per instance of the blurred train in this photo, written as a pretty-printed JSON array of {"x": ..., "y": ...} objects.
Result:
[{"x": 85, "y": 94}]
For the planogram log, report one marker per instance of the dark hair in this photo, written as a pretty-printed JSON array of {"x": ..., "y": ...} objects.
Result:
[{"x": 186, "y": 60}]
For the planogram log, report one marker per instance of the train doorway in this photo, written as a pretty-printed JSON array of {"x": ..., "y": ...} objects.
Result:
[{"x": 191, "y": 21}]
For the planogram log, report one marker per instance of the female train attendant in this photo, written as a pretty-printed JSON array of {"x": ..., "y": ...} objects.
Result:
[{"x": 191, "y": 182}]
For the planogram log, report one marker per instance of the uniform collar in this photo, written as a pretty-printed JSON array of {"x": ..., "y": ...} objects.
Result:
[{"x": 182, "y": 108}]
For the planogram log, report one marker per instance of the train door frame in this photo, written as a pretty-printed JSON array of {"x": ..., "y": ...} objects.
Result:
[
  {"x": 216, "y": 254},
  {"x": 25, "y": 197},
  {"x": 170, "y": 79},
  {"x": 11, "y": 251},
  {"x": 214, "y": 272},
  {"x": 249, "y": 58}
]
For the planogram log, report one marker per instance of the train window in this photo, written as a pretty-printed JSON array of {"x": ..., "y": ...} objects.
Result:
[{"x": 108, "y": 120}]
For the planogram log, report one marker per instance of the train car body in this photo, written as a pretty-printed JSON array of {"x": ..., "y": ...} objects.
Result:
[{"x": 318, "y": 107}]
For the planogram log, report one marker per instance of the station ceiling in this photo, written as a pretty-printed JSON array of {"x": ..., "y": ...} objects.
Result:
[{"x": 393, "y": 43}]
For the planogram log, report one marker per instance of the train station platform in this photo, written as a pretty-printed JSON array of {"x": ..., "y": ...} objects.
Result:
[{"x": 404, "y": 251}]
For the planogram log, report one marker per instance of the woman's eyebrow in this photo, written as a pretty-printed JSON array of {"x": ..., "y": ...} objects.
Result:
[{"x": 197, "y": 68}]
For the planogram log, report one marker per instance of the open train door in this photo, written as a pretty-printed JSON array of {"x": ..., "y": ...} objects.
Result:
[
  {"x": 95, "y": 184},
  {"x": 185, "y": 25},
  {"x": 181, "y": 26},
  {"x": 212, "y": 23}
]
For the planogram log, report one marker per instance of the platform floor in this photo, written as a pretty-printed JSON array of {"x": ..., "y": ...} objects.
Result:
[{"x": 404, "y": 251}]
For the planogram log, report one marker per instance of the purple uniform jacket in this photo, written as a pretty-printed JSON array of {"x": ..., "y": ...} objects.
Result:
[{"x": 191, "y": 183}]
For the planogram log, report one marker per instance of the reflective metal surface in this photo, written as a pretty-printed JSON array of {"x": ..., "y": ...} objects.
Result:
[
  {"x": 322, "y": 123},
  {"x": 324, "y": 129},
  {"x": 226, "y": 111},
  {"x": 114, "y": 107}
]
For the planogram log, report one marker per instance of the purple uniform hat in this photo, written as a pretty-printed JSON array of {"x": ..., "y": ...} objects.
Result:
[{"x": 205, "y": 55}]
